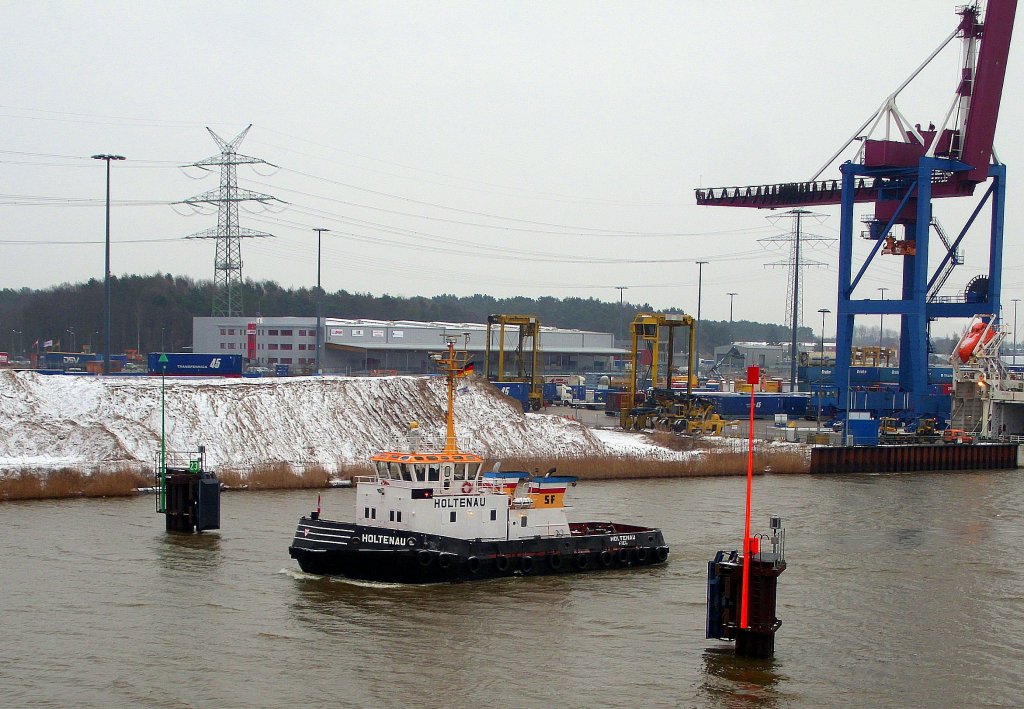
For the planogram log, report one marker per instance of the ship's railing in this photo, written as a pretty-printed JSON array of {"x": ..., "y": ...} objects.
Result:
[
  {"x": 487, "y": 486},
  {"x": 181, "y": 459}
]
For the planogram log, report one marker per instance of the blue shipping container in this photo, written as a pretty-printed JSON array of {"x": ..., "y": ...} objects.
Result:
[
  {"x": 864, "y": 432},
  {"x": 520, "y": 391},
  {"x": 766, "y": 405},
  {"x": 196, "y": 364},
  {"x": 889, "y": 375},
  {"x": 62, "y": 360},
  {"x": 74, "y": 360},
  {"x": 863, "y": 375}
]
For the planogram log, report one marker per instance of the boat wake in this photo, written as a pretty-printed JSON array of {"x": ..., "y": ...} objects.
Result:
[{"x": 303, "y": 576}]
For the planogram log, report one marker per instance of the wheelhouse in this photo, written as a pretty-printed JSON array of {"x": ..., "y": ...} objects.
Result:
[{"x": 442, "y": 469}]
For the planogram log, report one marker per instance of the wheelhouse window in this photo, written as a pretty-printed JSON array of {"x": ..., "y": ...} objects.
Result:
[
  {"x": 433, "y": 474},
  {"x": 382, "y": 469}
]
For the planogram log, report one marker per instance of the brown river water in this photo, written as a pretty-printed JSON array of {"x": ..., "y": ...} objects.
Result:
[{"x": 903, "y": 590}]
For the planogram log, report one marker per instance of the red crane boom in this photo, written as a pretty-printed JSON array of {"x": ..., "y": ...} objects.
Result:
[{"x": 980, "y": 88}]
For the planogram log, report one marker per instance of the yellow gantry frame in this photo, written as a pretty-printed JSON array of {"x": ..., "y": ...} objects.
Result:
[
  {"x": 529, "y": 328},
  {"x": 647, "y": 329}
]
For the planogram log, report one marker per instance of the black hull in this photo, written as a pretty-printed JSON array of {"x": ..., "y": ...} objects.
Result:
[{"x": 329, "y": 548}]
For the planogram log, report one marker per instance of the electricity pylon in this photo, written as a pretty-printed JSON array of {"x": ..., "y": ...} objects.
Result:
[{"x": 227, "y": 263}]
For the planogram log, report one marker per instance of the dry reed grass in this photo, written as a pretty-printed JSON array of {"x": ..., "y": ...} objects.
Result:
[
  {"x": 353, "y": 470},
  {"x": 230, "y": 477},
  {"x": 282, "y": 476},
  {"x": 627, "y": 468},
  {"x": 69, "y": 482}
]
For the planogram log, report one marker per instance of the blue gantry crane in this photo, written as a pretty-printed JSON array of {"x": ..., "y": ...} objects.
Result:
[{"x": 901, "y": 168}]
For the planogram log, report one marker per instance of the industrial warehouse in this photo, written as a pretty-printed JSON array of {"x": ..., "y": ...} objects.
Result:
[{"x": 368, "y": 347}]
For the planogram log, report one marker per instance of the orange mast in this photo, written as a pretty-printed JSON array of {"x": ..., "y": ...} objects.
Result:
[{"x": 454, "y": 365}]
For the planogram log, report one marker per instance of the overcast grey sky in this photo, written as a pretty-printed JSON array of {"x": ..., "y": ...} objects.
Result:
[{"x": 509, "y": 148}]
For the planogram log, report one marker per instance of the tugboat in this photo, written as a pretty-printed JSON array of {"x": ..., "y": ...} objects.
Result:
[{"x": 427, "y": 517}]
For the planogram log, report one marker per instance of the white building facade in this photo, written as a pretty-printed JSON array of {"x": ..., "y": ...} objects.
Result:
[{"x": 368, "y": 347}]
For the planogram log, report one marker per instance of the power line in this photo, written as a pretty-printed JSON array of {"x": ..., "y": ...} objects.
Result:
[
  {"x": 55, "y": 242},
  {"x": 580, "y": 231},
  {"x": 475, "y": 249}
]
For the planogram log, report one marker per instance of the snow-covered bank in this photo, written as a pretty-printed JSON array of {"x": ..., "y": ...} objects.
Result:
[{"x": 85, "y": 422}]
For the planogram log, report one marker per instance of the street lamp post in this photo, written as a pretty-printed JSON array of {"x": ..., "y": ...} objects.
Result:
[
  {"x": 731, "y": 296},
  {"x": 71, "y": 332},
  {"x": 821, "y": 362},
  {"x": 621, "y": 313},
  {"x": 106, "y": 268},
  {"x": 1015, "y": 301},
  {"x": 90, "y": 341},
  {"x": 696, "y": 338},
  {"x": 319, "y": 302}
]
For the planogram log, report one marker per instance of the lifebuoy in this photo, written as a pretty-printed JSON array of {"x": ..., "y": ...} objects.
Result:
[
  {"x": 473, "y": 564},
  {"x": 607, "y": 558},
  {"x": 582, "y": 561},
  {"x": 641, "y": 554},
  {"x": 501, "y": 562},
  {"x": 424, "y": 557},
  {"x": 555, "y": 561},
  {"x": 662, "y": 553},
  {"x": 526, "y": 564},
  {"x": 445, "y": 561},
  {"x": 467, "y": 487}
]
